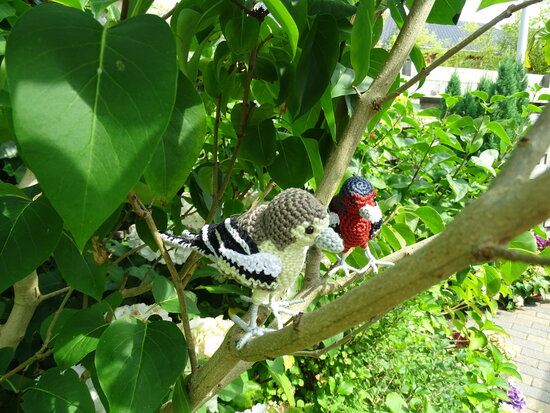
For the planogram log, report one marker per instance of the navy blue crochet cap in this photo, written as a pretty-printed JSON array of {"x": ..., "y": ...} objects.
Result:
[{"x": 357, "y": 185}]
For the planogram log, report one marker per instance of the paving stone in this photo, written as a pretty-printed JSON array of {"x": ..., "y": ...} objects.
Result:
[
  {"x": 541, "y": 384},
  {"x": 538, "y": 394},
  {"x": 529, "y": 329},
  {"x": 533, "y": 345},
  {"x": 523, "y": 361},
  {"x": 541, "y": 340},
  {"x": 537, "y": 406},
  {"x": 538, "y": 355}
]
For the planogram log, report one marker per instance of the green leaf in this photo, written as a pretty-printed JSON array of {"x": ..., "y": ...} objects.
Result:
[
  {"x": 480, "y": 94},
  {"x": 143, "y": 231},
  {"x": 446, "y": 12},
  {"x": 79, "y": 336},
  {"x": 137, "y": 363},
  {"x": 181, "y": 143},
  {"x": 492, "y": 280},
  {"x": 395, "y": 402},
  {"x": 487, "y": 3},
  {"x": 459, "y": 186},
  {"x": 290, "y": 169},
  {"x": 166, "y": 296},
  {"x": 180, "y": 399},
  {"x": 186, "y": 25},
  {"x": 90, "y": 119},
  {"x": 58, "y": 391},
  {"x": 525, "y": 241},
  {"x": 361, "y": 40},
  {"x": 498, "y": 130},
  {"x": 312, "y": 148},
  {"x": 316, "y": 64},
  {"x": 431, "y": 218},
  {"x": 222, "y": 289},
  {"x": 241, "y": 33},
  {"x": 70, "y": 3},
  {"x": 283, "y": 17},
  {"x": 9, "y": 189},
  {"x": 260, "y": 143},
  {"x": 392, "y": 237},
  {"x": 477, "y": 339},
  {"x": 279, "y": 377},
  {"x": 29, "y": 232},
  {"x": 80, "y": 269}
]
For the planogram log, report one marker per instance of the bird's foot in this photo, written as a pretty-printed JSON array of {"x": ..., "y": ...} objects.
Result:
[
  {"x": 251, "y": 329},
  {"x": 374, "y": 263},
  {"x": 278, "y": 307}
]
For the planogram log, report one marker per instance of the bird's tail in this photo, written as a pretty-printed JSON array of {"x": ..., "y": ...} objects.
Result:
[{"x": 187, "y": 239}]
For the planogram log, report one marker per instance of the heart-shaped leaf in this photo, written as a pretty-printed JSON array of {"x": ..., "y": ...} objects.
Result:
[
  {"x": 58, "y": 391},
  {"x": 137, "y": 363},
  {"x": 29, "y": 232},
  {"x": 181, "y": 144},
  {"x": 90, "y": 104},
  {"x": 80, "y": 270}
]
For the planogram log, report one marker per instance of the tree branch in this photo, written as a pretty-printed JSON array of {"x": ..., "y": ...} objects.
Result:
[
  {"x": 492, "y": 253},
  {"x": 43, "y": 352},
  {"x": 143, "y": 212},
  {"x": 455, "y": 49},
  {"x": 366, "y": 107},
  {"x": 26, "y": 299}
]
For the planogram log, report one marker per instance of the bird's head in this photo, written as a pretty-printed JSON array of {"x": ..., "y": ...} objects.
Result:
[
  {"x": 295, "y": 217},
  {"x": 357, "y": 192}
]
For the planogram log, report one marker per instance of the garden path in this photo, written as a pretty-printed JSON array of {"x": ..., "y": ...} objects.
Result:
[{"x": 529, "y": 329}]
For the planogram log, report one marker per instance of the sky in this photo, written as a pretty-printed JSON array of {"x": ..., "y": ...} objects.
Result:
[{"x": 469, "y": 12}]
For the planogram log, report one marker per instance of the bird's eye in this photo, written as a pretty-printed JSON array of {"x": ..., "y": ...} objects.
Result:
[{"x": 309, "y": 230}]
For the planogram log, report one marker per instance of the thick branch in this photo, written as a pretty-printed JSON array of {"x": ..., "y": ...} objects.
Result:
[
  {"x": 365, "y": 109},
  {"x": 484, "y": 222},
  {"x": 457, "y": 48},
  {"x": 26, "y": 299}
]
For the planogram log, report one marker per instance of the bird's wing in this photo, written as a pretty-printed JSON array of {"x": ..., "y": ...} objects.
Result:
[{"x": 239, "y": 256}]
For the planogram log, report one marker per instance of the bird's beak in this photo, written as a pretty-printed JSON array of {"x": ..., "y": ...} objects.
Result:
[
  {"x": 371, "y": 213},
  {"x": 329, "y": 240}
]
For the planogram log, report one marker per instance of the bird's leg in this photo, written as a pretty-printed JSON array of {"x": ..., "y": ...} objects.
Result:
[
  {"x": 342, "y": 266},
  {"x": 373, "y": 262},
  {"x": 251, "y": 329},
  {"x": 278, "y": 307}
]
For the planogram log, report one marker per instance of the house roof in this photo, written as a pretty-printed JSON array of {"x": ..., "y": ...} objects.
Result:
[{"x": 448, "y": 35}]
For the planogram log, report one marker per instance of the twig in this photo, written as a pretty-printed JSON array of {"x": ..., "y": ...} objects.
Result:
[
  {"x": 135, "y": 291},
  {"x": 215, "y": 164},
  {"x": 455, "y": 49},
  {"x": 126, "y": 255},
  {"x": 37, "y": 356},
  {"x": 52, "y": 294},
  {"x": 143, "y": 212},
  {"x": 43, "y": 352},
  {"x": 170, "y": 13},
  {"x": 245, "y": 112},
  {"x": 262, "y": 196},
  {"x": 124, "y": 9},
  {"x": 341, "y": 342},
  {"x": 492, "y": 253}
]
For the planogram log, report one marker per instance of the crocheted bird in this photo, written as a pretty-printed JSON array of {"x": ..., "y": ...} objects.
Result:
[
  {"x": 356, "y": 216},
  {"x": 265, "y": 250}
]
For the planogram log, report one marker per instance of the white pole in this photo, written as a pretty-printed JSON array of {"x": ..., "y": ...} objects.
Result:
[{"x": 522, "y": 36}]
